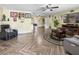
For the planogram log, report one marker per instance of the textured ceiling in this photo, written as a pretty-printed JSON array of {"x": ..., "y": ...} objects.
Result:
[{"x": 34, "y": 8}]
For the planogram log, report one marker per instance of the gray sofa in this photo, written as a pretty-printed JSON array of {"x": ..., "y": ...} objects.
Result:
[
  {"x": 71, "y": 45},
  {"x": 4, "y": 35}
]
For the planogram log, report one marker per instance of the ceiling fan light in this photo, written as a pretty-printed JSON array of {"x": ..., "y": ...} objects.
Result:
[{"x": 51, "y": 10}]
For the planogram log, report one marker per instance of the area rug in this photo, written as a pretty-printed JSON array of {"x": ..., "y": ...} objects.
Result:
[
  {"x": 53, "y": 41},
  {"x": 60, "y": 43}
]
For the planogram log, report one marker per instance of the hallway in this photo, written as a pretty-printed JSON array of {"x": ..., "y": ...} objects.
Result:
[{"x": 30, "y": 44}]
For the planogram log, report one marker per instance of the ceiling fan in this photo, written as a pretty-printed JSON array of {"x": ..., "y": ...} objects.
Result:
[{"x": 48, "y": 7}]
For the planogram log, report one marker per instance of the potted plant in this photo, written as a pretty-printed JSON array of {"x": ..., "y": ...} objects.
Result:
[
  {"x": 3, "y": 17},
  {"x": 56, "y": 23}
]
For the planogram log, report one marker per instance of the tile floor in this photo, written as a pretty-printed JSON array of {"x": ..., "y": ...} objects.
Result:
[{"x": 30, "y": 44}]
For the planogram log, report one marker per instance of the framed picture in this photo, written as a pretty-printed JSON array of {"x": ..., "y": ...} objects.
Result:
[
  {"x": 27, "y": 15},
  {"x": 21, "y": 15},
  {"x": 13, "y": 14}
]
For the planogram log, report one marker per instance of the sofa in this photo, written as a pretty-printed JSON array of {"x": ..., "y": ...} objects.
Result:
[
  {"x": 58, "y": 34},
  {"x": 7, "y": 33},
  {"x": 71, "y": 45}
]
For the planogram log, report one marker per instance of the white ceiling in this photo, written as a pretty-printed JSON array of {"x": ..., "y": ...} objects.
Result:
[{"x": 34, "y": 8}]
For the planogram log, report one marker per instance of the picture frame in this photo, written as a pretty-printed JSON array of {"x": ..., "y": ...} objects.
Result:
[
  {"x": 21, "y": 15},
  {"x": 13, "y": 14},
  {"x": 27, "y": 15}
]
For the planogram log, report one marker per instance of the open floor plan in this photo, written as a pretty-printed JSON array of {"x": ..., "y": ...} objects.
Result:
[{"x": 39, "y": 29}]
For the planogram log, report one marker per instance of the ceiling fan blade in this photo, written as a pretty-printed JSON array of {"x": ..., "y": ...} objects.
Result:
[{"x": 55, "y": 7}]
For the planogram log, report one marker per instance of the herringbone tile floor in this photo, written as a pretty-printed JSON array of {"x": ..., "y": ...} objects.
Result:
[{"x": 30, "y": 44}]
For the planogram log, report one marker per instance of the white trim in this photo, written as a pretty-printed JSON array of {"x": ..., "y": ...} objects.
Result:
[{"x": 25, "y": 32}]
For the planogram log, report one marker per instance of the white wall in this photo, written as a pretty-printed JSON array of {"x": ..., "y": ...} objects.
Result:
[
  {"x": 1, "y": 10},
  {"x": 25, "y": 27},
  {"x": 60, "y": 19},
  {"x": 47, "y": 22},
  {"x": 38, "y": 20}
]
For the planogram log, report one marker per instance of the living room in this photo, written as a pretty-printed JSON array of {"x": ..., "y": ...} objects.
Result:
[{"x": 39, "y": 29}]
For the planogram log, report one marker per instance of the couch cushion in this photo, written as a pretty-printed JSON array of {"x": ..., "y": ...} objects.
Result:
[
  {"x": 8, "y": 30},
  {"x": 73, "y": 40}
]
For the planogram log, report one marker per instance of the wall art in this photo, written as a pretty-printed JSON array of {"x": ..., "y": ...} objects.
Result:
[
  {"x": 13, "y": 14},
  {"x": 27, "y": 15}
]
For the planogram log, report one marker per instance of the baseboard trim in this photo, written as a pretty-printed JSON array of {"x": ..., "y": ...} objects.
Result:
[{"x": 25, "y": 33}]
